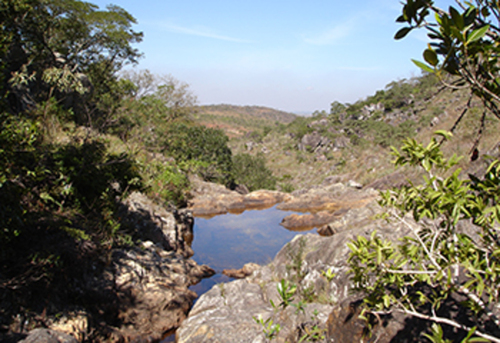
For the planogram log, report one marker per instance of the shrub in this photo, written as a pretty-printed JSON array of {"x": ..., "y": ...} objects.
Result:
[
  {"x": 252, "y": 172},
  {"x": 438, "y": 263},
  {"x": 198, "y": 143},
  {"x": 167, "y": 183}
]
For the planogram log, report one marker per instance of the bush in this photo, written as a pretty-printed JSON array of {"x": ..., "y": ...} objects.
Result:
[
  {"x": 167, "y": 183},
  {"x": 438, "y": 263},
  {"x": 252, "y": 172},
  {"x": 206, "y": 145}
]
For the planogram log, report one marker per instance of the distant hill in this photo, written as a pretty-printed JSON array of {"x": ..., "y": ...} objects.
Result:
[
  {"x": 236, "y": 121},
  {"x": 353, "y": 141}
]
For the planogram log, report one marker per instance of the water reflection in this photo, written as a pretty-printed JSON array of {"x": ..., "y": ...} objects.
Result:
[{"x": 229, "y": 241}]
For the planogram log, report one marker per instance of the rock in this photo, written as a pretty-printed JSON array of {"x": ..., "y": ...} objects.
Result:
[
  {"x": 321, "y": 158},
  {"x": 47, "y": 336},
  {"x": 153, "y": 284},
  {"x": 326, "y": 231},
  {"x": 313, "y": 142},
  {"x": 305, "y": 222},
  {"x": 262, "y": 199},
  {"x": 242, "y": 189},
  {"x": 75, "y": 324},
  {"x": 226, "y": 313},
  {"x": 396, "y": 179},
  {"x": 344, "y": 325},
  {"x": 211, "y": 199},
  {"x": 328, "y": 197},
  {"x": 354, "y": 184},
  {"x": 341, "y": 142},
  {"x": 242, "y": 273},
  {"x": 368, "y": 110},
  {"x": 146, "y": 220},
  {"x": 435, "y": 121},
  {"x": 321, "y": 122}
]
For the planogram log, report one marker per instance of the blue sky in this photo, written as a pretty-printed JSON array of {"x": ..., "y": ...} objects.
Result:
[{"x": 293, "y": 55}]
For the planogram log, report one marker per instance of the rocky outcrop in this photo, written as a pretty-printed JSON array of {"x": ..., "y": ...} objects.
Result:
[
  {"x": 141, "y": 290},
  {"x": 147, "y": 221},
  {"x": 325, "y": 203},
  {"x": 314, "y": 142},
  {"x": 316, "y": 264},
  {"x": 211, "y": 199},
  {"x": 154, "y": 284},
  {"x": 242, "y": 273}
]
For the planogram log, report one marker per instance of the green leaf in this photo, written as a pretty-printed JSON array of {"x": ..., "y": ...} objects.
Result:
[
  {"x": 401, "y": 19},
  {"x": 430, "y": 57},
  {"x": 477, "y": 34},
  {"x": 443, "y": 133},
  {"x": 423, "y": 66},
  {"x": 402, "y": 32},
  {"x": 457, "y": 18}
]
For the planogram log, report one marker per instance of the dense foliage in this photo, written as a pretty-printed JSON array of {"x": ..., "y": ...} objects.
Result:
[
  {"x": 443, "y": 261},
  {"x": 252, "y": 172},
  {"x": 464, "y": 45},
  {"x": 58, "y": 197},
  {"x": 65, "y": 50},
  {"x": 446, "y": 271},
  {"x": 204, "y": 147}
]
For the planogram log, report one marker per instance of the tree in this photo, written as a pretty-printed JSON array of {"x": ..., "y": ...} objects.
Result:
[
  {"x": 64, "y": 50},
  {"x": 59, "y": 200},
  {"x": 152, "y": 103},
  {"x": 464, "y": 45},
  {"x": 204, "y": 150},
  {"x": 441, "y": 262}
]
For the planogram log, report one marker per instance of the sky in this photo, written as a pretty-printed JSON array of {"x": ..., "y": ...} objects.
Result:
[{"x": 294, "y": 55}]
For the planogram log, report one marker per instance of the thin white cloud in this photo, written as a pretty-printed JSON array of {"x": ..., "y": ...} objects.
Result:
[
  {"x": 199, "y": 31},
  {"x": 331, "y": 35}
]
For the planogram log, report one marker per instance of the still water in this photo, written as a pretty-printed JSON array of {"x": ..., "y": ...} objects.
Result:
[{"x": 229, "y": 241}]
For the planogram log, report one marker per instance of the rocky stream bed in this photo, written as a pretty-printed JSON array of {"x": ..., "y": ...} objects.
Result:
[{"x": 154, "y": 277}]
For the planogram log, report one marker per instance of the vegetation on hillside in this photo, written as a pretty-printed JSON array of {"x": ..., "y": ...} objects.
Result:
[
  {"x": 242, "y": 121},
  {"x": 58, "y": 198},
  {"x": 77, "y": 135}
]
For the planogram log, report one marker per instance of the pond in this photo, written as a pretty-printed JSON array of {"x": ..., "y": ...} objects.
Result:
[{"x": 229, "y": 241}]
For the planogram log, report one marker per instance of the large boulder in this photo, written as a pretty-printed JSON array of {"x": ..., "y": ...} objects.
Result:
[
  {"x": 314, "y": 142},
  {"x": 154, "y": 286},
  {"x": 148, "y": 221}
]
